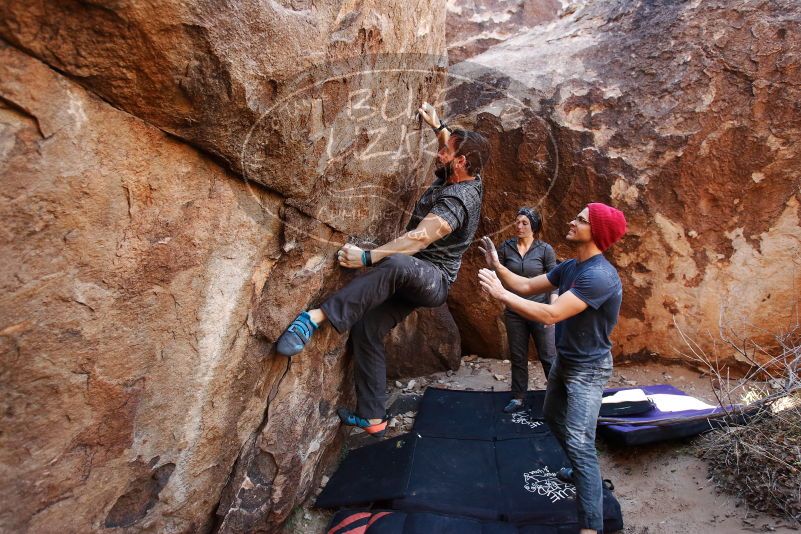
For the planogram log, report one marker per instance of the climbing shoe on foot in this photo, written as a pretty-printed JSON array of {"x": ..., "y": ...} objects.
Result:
[
  {"x": 351, "y": 419},
  {"x": 515, "y": 405},
  {"x": 296, "y": 336}
]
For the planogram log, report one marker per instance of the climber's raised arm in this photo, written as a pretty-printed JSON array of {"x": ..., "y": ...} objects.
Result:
[{"x": 429, "y": 115}]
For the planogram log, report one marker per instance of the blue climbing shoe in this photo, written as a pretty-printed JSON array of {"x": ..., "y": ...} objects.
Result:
[
  {"x": 351, "y": 419},
  {"x": 296, "y": 336}
]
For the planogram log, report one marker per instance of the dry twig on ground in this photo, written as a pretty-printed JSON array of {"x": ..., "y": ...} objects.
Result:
[{"x": 759, "y": 460}]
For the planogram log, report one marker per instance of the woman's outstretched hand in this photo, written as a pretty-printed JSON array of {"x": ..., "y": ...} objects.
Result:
[{"x": 487, "y": 247}]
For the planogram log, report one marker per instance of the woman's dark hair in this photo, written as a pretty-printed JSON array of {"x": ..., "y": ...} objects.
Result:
[
  {"x": 474, "y": 147},
  {"x": 533, "y": 217}
]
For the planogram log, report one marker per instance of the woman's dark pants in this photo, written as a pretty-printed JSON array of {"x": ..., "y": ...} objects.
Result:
[{"x": 518, "y": 331}]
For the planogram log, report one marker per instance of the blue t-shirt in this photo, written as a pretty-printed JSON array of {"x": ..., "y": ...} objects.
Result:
[{"x": 584, "y": 338}]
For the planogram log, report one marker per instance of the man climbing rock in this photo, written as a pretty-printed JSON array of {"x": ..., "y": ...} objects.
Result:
[
  {"x": 590, "y": 294},
  {"x": 413, "y": 270}
]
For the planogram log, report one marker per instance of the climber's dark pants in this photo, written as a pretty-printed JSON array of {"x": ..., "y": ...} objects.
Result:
[{"x": 370, "y": 306}]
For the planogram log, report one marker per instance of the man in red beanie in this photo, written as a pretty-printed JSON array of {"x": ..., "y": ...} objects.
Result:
[{"x": 585, "y": 313}]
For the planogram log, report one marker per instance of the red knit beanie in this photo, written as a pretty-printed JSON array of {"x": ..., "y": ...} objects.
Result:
[{"x": 607, "y": 224}]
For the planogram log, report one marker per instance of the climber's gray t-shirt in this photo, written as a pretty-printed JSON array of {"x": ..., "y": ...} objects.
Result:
[{"x": 460, "y": 206}]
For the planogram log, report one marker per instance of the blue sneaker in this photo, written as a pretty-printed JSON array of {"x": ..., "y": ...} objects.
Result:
[
  {"x": 351, "y": 419},
  {"x": 565, "y": 475},
  {"x": 515, "y": 405},
  {"x": 296, "y": 336}
]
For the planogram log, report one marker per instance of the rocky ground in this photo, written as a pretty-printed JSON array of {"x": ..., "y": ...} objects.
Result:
[{"x": 662, "y": 488}]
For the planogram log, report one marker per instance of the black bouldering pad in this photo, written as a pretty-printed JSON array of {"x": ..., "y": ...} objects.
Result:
[
  {"x": 455, "y": 477},
  {"x": 466, "y": 461},
  {"x": 376, "y": 472},
  {"x": 478, "y": 415}
]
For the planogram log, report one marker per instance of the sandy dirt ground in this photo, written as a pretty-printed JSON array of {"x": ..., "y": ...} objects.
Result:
[{"x": 662, "y": 488}]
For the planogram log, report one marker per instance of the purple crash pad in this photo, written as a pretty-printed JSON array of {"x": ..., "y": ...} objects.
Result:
[{"x": 639, "y": 432}]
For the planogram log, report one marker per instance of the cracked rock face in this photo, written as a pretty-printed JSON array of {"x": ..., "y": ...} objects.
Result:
[
  {"x": 131, "y": 262},
  {"x": 177, "y": 178},
  {"x": 473, "y": 26},
  {"x": 426, "y": 342},
  {"x": 683, "y": 115},
  {"x": 306, "y": 98}
]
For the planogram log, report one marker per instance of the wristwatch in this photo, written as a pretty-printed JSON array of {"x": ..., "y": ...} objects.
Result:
[
  {"x": 441, "y": 126},
  {"x": 367, "y": 258}
]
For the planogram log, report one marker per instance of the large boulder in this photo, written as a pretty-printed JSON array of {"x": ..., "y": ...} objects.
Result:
[
  {"x": 685, "y": 116},
  {"x": 473, "y": 26},
  {"x": 178, "y": 176},
  {"x": 306, "y": 98},
  {"x": 426, "y": 342},
  {"x": 279, "y": 462},
  {"x": 130, "y": 263}
]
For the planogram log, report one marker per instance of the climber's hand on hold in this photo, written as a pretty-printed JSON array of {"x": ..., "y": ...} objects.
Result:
[
  {"x": 350, "y": 256},
  {"x": 487, "y": 247},
  {"x": 429, "y": 114}
]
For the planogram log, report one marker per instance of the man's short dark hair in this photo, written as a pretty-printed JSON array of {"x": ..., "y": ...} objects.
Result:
[{"x": 474, "y": 147}]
